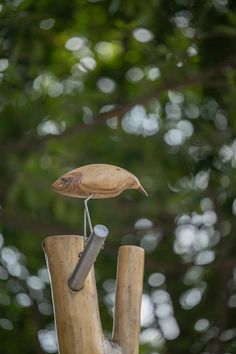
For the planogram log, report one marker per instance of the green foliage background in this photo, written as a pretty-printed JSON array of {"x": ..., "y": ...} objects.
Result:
[{"x": 149, "y": 86}]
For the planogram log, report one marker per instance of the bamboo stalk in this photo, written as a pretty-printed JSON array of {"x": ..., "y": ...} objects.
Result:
[
  {"x": 129, "y": 285},
  {"x": 76, "y": 313}
]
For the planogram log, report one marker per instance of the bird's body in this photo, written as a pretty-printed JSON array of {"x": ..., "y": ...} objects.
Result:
[{"x": 98, "y": 180}]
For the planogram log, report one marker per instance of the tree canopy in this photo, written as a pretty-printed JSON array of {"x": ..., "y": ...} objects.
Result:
[{"x": 148, "y": 86}]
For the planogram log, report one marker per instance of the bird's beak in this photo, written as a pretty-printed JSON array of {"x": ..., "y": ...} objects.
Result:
[{"x": 142, "y": 190}]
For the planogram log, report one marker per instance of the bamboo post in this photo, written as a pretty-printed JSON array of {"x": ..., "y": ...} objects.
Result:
[
  {"x": 76, "y": 313},
  {"x": 129, "y": 286}
]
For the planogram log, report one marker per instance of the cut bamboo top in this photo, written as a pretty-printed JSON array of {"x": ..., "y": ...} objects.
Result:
[{"x": 101, "y": 180}]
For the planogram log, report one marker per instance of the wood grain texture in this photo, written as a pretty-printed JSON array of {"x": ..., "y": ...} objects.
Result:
[
  {"x": 104, "y": 181},
  {"x": 76, "y": 314},
  {"x": 129, "y": 286}
]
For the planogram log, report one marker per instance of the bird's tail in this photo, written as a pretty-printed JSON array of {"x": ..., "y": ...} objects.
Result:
[{"x": 142, "y": 190}]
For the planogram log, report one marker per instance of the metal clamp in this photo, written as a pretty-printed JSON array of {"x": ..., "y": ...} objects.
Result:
[{"x": 88, "y": 257}]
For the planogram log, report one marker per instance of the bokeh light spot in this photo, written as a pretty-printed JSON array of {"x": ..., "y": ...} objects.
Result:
[{"x": 143, "y": 35}]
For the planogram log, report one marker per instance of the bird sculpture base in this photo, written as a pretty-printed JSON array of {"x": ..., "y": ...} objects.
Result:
[{"x": 76, "y": 314}]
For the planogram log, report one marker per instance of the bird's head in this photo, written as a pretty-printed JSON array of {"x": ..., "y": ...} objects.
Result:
[{"x": 135, "y": 184}]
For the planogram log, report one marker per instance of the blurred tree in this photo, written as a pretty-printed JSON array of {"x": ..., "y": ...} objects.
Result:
[{"x": 149, "y": 87}]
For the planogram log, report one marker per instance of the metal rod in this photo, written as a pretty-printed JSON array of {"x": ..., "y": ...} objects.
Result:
[
  {"x": 87, "y": 211},
  {"x": 85, "y": 227},
  {"x": 88, "y": 257}
]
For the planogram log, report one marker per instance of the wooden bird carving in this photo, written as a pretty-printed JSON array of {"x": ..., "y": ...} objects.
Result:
[{"x": 100, "y": 180}]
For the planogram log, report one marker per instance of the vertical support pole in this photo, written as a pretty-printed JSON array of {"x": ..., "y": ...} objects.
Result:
[
  {"x": 76, "y": 313},
  {"x": 129, "y": 286}
]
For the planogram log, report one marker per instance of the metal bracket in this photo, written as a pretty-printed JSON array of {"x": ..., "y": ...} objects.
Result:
[{"x": 88, "y": 257}]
